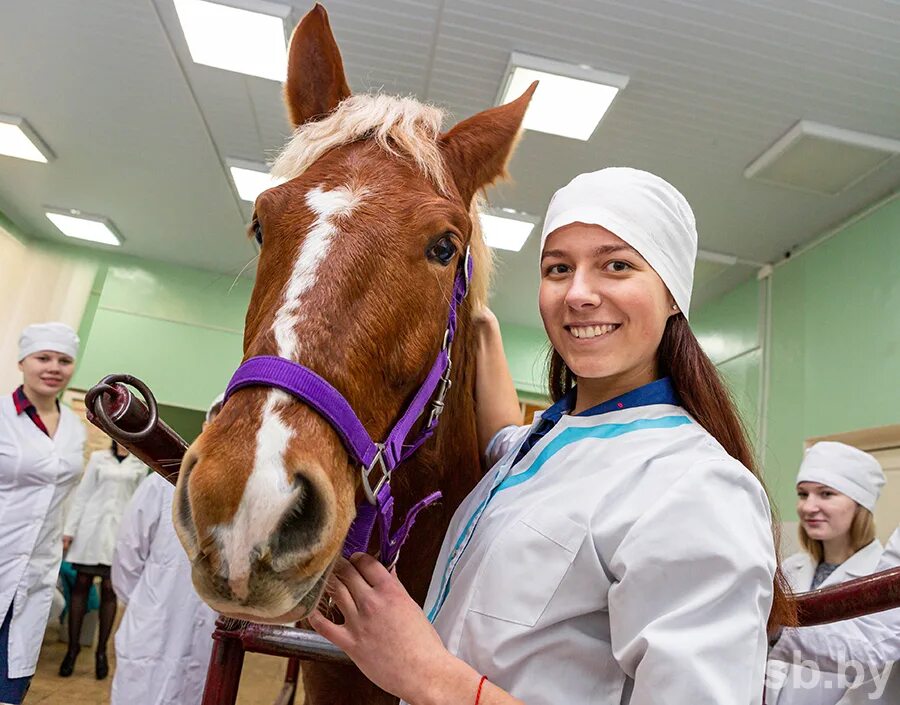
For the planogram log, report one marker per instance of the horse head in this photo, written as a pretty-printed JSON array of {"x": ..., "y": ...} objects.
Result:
[{"x": 359, "y": 249}]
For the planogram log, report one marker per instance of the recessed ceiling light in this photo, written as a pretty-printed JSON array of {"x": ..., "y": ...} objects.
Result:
[
  {"x": 245, "y": 36},
  {"x": 18, "y": 139},
  {"x": 570, "y": 99},
  {"x": 506, "y": 229},
  {"x": 251, "y": 179},
  {"x": 74, "y": 223},
  {"x": 822, "y": 158}
]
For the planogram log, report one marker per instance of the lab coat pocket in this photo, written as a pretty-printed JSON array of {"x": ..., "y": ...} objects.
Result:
[{"x": 525, "y": 567}]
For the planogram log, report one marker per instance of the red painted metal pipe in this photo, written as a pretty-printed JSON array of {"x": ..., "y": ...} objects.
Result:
[
  {"x": 302, "y": 644},
  {"x": 116, "y": 411},
  {"x": 854, "y": 598},
  {"x": 225, "y": 663}
]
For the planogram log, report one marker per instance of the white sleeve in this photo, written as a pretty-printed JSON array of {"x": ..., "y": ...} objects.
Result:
[
  {"x": 503, "y": 441},
  {"x": 689, "y": 610},
  {"x": 873, "y": 640},
  {"x": 82, "y": 495},
  {"x": 136, "y": 534}
]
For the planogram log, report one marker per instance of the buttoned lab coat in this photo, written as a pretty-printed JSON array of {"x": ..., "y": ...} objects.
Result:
[
  {"x": 873, "y": 640},
  {"x": 100, "y": 499},
  {"x": 799, "y": 570},
  {"x": 36, "y": 474},
  {"x": 165, "y": 638},
  {"x": 626, "y": 558}
]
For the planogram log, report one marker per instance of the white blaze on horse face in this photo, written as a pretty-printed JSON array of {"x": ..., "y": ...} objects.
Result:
[
  {"x": 267, "y": 496},
  {"x": 269, "y": 491},
  {"x": 327, "y": 205}
]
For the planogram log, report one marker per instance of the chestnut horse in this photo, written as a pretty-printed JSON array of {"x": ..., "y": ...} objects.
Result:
[{"x": 360, "y": 246}]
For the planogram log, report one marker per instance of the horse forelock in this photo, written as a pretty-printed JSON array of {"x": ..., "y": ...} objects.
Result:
[{"x": 400, "y": 126}]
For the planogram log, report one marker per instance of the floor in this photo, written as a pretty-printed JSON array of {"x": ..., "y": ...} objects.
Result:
[{"x": 261, "y": 679}]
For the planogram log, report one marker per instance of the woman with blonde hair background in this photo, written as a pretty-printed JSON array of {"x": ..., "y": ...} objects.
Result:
[{"x": 837, "y": 488}]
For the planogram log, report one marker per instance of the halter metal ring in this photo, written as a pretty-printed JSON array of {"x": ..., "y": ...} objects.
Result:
[{"x": 378, "y": 460}]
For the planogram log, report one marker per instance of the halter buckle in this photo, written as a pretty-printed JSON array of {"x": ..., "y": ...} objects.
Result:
[
  {"x": 437, "y": 404},
  {"x": 378, "y": 460}
]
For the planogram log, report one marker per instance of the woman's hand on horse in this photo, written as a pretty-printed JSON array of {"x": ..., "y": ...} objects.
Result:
[{"x": 388, "y": 637}]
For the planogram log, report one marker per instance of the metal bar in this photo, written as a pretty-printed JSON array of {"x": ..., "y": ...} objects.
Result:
[
  {"x": 291, "y": 677},
  {"x": 126, "y": 416},
  {"x": 225, "y": 664},
  {"x": 854, "y": 598},
  {"x": 302, "y": 644}
]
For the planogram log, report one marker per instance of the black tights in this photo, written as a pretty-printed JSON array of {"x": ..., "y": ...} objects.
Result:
[{"x": 78, "y": 606}]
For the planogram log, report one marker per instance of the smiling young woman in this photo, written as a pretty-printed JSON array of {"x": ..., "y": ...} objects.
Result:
[
  {"x": 41, "y": 454},
  {"x": 621, "y": 548}
]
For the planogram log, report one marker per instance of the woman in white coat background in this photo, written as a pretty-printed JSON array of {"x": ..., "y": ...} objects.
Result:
[
  {"x": 621, "y": 549},
  {"x": 41, "y": 457},
  {"x": 837, "y": 488},
  {"x": 165, "y": 638},
  {"x": 92, "y": 525},
  {"x": 873, "y": 640}
]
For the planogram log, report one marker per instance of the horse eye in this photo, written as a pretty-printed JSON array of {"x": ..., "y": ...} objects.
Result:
[
  {"x": 442, "y": 251},
  {"x": 257, "y": 232}
]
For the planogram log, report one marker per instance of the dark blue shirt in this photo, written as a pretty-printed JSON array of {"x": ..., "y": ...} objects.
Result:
[{"x": 658, "y": 392}]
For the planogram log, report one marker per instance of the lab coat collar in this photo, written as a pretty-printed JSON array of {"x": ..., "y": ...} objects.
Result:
[
  {"x": 660, "y": 391},
  {"x": 801, "y": 568}
]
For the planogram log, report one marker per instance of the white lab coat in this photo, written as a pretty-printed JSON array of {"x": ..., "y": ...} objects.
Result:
[
  {"x": 786, "y": 681},
  {"x": 36, "y": 474},
  {"x": 873, "y": 640},
  {"x": 625, "y": 559},
  {"x": 100, "y": 499},
  {"x": 165, "y": 638}
]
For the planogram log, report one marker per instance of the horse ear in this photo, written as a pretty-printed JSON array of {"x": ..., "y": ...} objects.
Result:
[
  {"x": 477, "y": 149},
  {"x": 315, "y": 78}
]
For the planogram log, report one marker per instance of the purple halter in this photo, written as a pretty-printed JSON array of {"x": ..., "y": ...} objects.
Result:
[{"x": 384, "y": 457}]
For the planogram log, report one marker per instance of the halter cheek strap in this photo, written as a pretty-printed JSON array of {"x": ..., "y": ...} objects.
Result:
[{"x": 377, "y": 461}]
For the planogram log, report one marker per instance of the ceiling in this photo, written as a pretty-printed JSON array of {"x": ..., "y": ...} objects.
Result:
[{"x": 141, "y": 133}]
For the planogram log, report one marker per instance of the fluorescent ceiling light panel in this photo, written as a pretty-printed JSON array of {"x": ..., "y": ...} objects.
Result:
[
  {"x": 17, "y": 139},
  {"x": 506, "y": 229},
  {"x": 821, "y": 158},
  {"x": 570, "y": 100},
  {"x": 246, "y": 37},
  {"x": 95, "y": 228},
  {"x": 251, "y": 179}
]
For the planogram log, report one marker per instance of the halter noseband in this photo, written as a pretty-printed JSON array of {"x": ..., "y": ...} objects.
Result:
[{"x": 304, "y": 384}]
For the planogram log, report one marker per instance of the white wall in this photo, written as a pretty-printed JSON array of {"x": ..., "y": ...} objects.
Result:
[{"x": 36, "y": 286}]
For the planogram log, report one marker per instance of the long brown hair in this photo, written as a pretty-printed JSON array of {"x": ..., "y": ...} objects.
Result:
[{"x": 705, "y": 397}]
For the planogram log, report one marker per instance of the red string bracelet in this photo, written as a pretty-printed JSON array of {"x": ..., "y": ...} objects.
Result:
[{"x": 480, "y": 686}]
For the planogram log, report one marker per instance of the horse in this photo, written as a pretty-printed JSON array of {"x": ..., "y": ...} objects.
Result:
[{"x": 359, "y": 248}]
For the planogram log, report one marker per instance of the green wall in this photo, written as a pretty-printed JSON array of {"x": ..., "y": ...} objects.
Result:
[
  {"x": 178, "y": 329},
  {"x": 834, "y": 346},
  {"x": 835, "y": 355},
  {"x": 526, "y": 351},
  {"x": 729, "y": 331}
]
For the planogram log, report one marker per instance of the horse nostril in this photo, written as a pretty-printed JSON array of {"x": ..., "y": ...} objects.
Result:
[
  {"x": 185, "y": 517},
  {"x": 301, "y": 524}
]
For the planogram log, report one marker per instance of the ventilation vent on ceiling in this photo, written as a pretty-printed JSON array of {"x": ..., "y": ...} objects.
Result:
[{"x": 821, "y": 158}]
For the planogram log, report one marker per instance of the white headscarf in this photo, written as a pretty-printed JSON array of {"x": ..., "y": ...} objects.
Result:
[
  {"x": 57, "y": 337},
  {"x": 212, "y": 406},
  {"x": 844, "y": 468},
  {"x": 642, "y": 209}
]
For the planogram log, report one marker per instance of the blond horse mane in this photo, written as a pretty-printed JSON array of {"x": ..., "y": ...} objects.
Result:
[{"x": 402, "y": 127}]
